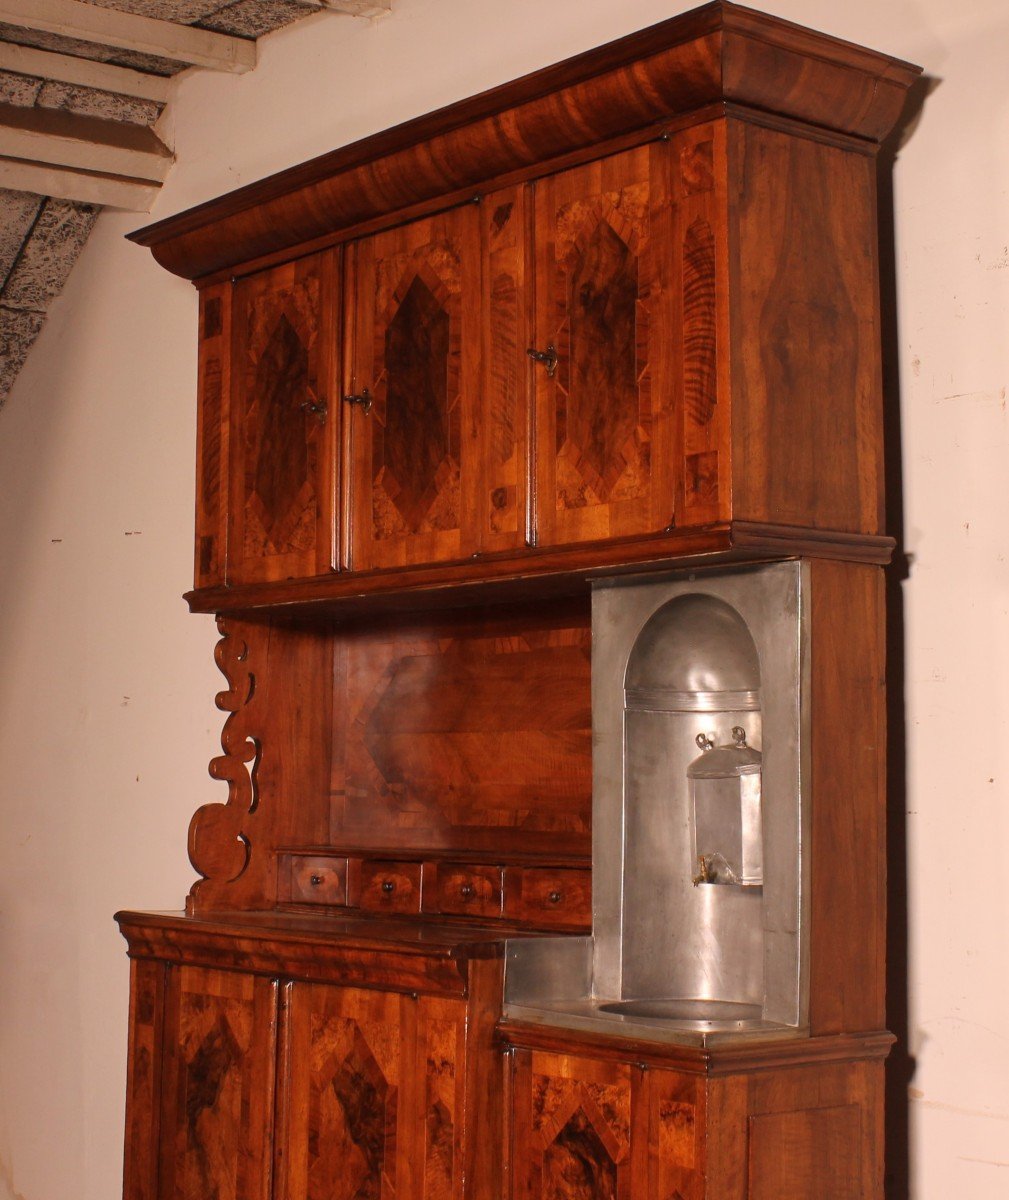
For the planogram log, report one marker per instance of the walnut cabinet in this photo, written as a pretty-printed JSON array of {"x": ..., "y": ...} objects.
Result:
[{"x": 621, "y": 315}]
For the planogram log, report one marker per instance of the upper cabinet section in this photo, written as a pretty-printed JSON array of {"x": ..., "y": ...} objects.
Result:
[{"x": 622, "y": 311}]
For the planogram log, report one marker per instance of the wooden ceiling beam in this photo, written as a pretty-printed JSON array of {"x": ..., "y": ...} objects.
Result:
[
  {"x": 64, "y": 139},
  {"x": 355, "y": 8},
  {"x": 110, "y": 27},
  {"x": 83, "y": 72},
  {"x": 86, "y": 187}
]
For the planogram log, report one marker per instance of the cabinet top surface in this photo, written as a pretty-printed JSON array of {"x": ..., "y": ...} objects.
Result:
[{"x": 718, "y": 55}]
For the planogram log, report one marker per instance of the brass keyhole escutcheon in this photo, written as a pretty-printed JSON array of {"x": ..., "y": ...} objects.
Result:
[
  {"x": 547, "y": 358},
  {"x": 362, "y": 398}
]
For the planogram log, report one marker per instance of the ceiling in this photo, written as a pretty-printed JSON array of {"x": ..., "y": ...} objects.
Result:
[{"x": 83, "y": 85}]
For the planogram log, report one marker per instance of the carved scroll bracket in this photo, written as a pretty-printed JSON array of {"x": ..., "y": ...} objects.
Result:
[{"x": 219, "y": 847}]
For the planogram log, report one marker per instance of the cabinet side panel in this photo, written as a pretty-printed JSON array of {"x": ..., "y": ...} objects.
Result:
[
  {"x": 848, "y": 874},
  {"x": 213, "y": 390},
  {"x": 143, "y": 1082},
  {"x": 807, "y": 403}
]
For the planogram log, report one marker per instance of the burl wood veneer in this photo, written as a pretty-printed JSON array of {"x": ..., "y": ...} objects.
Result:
[{"x": 398, "y": 512}]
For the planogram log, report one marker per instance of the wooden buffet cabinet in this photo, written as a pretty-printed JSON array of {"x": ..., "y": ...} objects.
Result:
[{"x": 619, "y": 315}]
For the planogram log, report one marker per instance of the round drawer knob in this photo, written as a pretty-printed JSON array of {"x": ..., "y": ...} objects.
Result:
[
  {"x": 555, "y": 897},
  {"x": 315, "y": 880},
  {"x": 388, "y": 886},
  {"x": 466, "y": 891}
]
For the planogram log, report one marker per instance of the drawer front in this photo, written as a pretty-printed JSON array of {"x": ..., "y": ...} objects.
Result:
[
  {"x": 390, "y": 886},
  {"x": 317, "y": 880},
  {"x": 550, "y": 897},
  {"x": 470, "y": 891}
]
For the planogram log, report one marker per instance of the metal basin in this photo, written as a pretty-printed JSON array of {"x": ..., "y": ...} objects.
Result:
[{"x": 704, "y": 1011}]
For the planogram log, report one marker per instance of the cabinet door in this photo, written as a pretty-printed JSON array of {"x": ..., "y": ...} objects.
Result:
[
  {"x": 219, "y": 1069},
  {"x": 571, "y": 1128},
  {"x": 284, "y": 420},
  {"x": 416, "y": 356},
  {"x": 373, "y": 1098},
  {"x": 343, "y": 1112},
  {"x": 604, "y": 428}
]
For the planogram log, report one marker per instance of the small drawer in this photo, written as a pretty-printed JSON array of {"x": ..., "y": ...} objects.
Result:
[
  {"x": 550, "y": 897},
  {"x": 470, "y": 891},
  {"x": 390, "y": 886},
  {"x": 316, "y": 880}
]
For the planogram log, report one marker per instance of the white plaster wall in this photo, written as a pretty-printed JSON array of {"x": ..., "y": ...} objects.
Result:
[{"x": 106, "y": 684}]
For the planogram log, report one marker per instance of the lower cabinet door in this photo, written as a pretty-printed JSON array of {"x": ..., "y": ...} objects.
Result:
[
  {"x": 572, "y": 1129},
  {"x": 217, "y": 1085},
  {"x": 371, "y": 1103}
]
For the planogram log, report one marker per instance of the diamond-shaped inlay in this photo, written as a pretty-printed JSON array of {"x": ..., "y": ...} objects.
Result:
[
  {"x": 279, "y": 466},
  {"x": 365, "y": 1123},
  {"x": 577, "y": 1165},
  {"x": 216, "y": 1056},
  {"x": 416, "y": 442},
  {"x": 601, "y": 408}
]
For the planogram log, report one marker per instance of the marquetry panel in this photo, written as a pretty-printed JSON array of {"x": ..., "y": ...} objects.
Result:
[
  {"x": 464, "y": 731},
  {"x": 441, "y": 1065},
  {"x": 344, "y": 1100},
  {"x": 415, "y": 297},
  {"x": 571, "y": 1128},
  {"x": 677, "y": 1135},
  {"x": 212, "y": 435},
  {"x": 283, "y": 459},
  {"x": 699, "y": 329},
  {"x": 218, "y": 1086},
  {"x": 603, "y": 421},
  {"x": 505, "y": 410}
]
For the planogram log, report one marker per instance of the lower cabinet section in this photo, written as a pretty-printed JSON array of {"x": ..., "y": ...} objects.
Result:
[
  {"x": 246, "y": 1085},
  {"x": 596, "y": 1128}
]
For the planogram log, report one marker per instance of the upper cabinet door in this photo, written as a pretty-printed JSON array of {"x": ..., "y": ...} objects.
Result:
[
  {"x": 604, "y": 402},
  {"x": 412, "y": 410},
  {"x": 283, "y": 422}
]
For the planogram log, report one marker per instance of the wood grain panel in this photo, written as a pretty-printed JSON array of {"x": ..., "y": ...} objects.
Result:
[
  {"x": 219, "y": 1082},
  {"x": 677, "y": 1135},
  {"x": 346, "y": 1119},
  {"x": 848, "y": 720},
  {"x": 807, "y": 420},
  {"x": 442, "y": 1065},
  {"x": 571, "y": 1129},
  {"x": 284, "y": 413},
  {"x": 212, "y": 435},
  {"x": 143, "y": 1080},
  {"x": 470, "y": 732},
  {"x": 506, "y": 400},
  {"x": 806, "y": 1155},
  {"x": 603, "y": 423},
  {"x": 413, "y": 457},
  {"x": 700, "y": 325}
]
